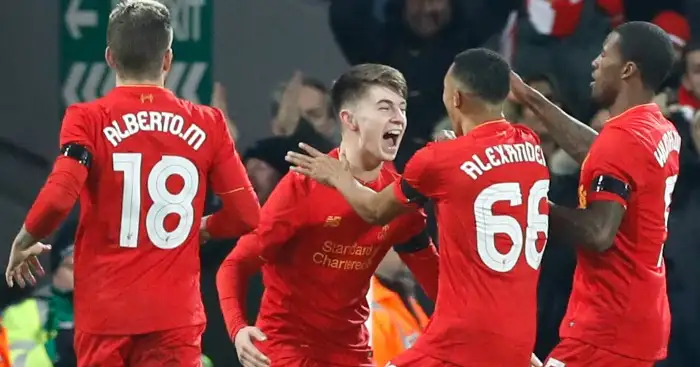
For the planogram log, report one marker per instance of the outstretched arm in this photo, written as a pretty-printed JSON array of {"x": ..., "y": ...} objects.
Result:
[
  {"x": 373, "y": 207},
  {"x": 570, "y": 134}
]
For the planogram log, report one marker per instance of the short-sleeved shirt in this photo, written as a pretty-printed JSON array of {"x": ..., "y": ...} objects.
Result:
[
  {"x": 137, "y": 244},
  {"x": 619, "y": 300},
  {"x": 490, "y": 191},
  {"x": 319, "y": 259}
]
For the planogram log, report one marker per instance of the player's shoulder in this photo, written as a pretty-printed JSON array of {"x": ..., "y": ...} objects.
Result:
[
  {"x": 298, "y": 183},
  {"x": 525, "y": 133},
  {"x": 90, "y": 107},
  {"x": 202, "y": 113}
]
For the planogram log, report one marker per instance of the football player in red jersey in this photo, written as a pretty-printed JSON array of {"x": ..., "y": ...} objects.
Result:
[
  {"x": 618, "y": 311},
  {"x": 490, "y": 188},
  {"x": 141, "y": 161},
  {"x": 317, "y": 256}
]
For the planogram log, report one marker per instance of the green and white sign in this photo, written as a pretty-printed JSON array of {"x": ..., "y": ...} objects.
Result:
[{"x": 84, "y": 73}]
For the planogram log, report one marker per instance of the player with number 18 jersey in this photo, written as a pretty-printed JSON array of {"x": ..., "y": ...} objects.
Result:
[
  {"x": 137, "y": 245},
  {"x": 141, "y": 160}
]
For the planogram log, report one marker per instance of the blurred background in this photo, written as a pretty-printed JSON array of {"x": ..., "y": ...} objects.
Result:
[{"x": 269, "y": 63}]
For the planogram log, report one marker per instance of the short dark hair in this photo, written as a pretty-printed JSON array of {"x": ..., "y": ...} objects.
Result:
[
  {"x": 309, "y": 82},
  {"x": 139, "y": 34},
  {"x": 353, "y": 84},
  {"x": 484, "y": 73},
  {"x": 650, "y": 48}
]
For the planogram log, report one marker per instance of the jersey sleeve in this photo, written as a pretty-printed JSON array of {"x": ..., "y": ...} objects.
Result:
[
  {"x": 613, "y": 168},
  {"x": 76, "y": 128},
  {"x": 228, "y": 172},
  {"x": 281, "y": 216},
  {"x": 419, "y": 181}
]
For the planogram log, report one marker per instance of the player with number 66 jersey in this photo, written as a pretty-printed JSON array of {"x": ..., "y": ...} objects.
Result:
[
  {"x": 490, "y": 187},
  {"x": 141, "y": 161}
]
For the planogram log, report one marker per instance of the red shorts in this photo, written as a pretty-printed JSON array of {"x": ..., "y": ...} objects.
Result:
[
  {"x": 575, "y": 353},
  {"x": 414, "y": 358},
  {"x": 175, "y": 347},
  {"x": 299, "y": 362}
]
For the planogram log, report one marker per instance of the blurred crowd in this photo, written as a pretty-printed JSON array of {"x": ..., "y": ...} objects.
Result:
[{"x": 550, "y": 43}]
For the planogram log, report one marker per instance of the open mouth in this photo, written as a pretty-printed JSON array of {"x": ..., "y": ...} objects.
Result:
[{"x": 392, "y": 137}]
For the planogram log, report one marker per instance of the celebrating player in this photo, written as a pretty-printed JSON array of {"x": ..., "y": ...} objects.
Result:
[
  {"x": 490, "y": 187},
  {"x": 317, "y": 256},
  {"x": 141, "y": 160},
  {"x": 618, "y": 312}
]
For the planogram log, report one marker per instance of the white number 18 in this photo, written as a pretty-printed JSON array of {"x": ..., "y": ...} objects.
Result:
[{"x": 164, "y": 202}]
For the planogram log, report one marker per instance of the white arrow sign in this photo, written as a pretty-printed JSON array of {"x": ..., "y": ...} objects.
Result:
[
  {"x": 76, "y": 18},
  {"x": 194, "y": 77},
  {"x": 92, "y": 87},
  {"x": 87, "y": 81},
  {"x": 72, "y": 82}
]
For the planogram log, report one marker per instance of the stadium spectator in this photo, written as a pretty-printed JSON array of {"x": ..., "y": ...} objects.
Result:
[
  {"x": 302, "y": 111},
  {"x": 396, "y": 319},
  {"x": 420, "y": 38},
  {"x": 561, "y": 38},
  {"x": 265, "y": 164},
  {"x": 678, "y": 29},
  {"x": 218, "y": 100}
]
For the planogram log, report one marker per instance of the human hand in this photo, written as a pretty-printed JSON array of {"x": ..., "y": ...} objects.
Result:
[
  {"x": 443, "y": 135},
  {"x": 248, "y": 354},
  {"x": 289, "y": 113},
  {"x": 318, "y": 166},
  {"x": 218, "y": 100},
  {"x": 520, "y": 91},
  {"x": 24, "y": 265},
  {"x": 204, "y": 235}
]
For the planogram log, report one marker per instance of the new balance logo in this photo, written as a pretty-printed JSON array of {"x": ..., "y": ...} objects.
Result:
[{"x": 333, "y": 221}]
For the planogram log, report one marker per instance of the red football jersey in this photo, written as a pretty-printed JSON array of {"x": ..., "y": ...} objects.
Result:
[
  {"x": 619, "y": 300},
  {"x": 490, "y": 191},
  {"x": 320, "y": 256},
  {"x": 137, "y": 244}
]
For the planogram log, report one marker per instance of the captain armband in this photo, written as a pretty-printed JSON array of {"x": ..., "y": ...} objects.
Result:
[
  {"x": 77, "y": 152},
  {"x": 611, "y": 185},
  {"x": 413, "y": 196}
]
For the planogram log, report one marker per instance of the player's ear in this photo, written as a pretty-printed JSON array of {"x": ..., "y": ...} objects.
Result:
[
  {"x": 109, "y": 58},
  {"x": 457, "y": 99},
  {"x": 347, "y": 119},
  {"x": 168, "y": 60},
  {"x": 628, "y": 69}
]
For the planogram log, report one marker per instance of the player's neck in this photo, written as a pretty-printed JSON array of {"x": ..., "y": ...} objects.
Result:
[
  {"x": 140, "y": 83},
  {"x": 363, "y": 165},
  {"x": 471, "y": 121},
  {"x": 629, "y": 98}
]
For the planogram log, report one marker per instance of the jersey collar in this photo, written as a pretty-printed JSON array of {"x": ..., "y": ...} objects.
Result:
[
  {"x": 639, "y": 109},
  {"x": 489, "y": 127}
]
